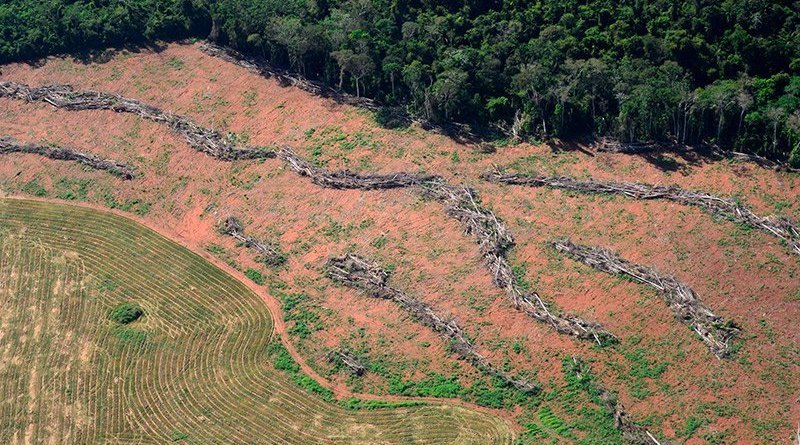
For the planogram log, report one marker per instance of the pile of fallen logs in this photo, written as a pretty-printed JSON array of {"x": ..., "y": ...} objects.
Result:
[
  {"x": 622, "y": 420},
  {"x": 358, "y": 272},
  {"x": 265, "y": 69},
  {"x": 267, "y": 254},
  {"x": 460, "y": 202},
  {"x": 611, "y": 145},
  {"x": 494, "y": 240},
  {"x": 777, "y": 226},
  {"x": 349, "y": 360},
  {"x": 64, "y": 96},
  {"x": 9, "y": 145},
  {"x": 349, "y": 180},
  {"x": 714, "y": 330}
]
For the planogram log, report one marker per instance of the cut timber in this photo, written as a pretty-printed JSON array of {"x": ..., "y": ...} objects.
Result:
[
  {"x": 358, "y": 272},
  {"x": 349, "y": 180},
  {"x": 623, "y": 421},
  {"x": 494, "y": 240},
  {"x": 350, "y": 360},
  {"x": 266, "y": 253},
  {"x": 714, "y": 330},
  {"x": 203, "y": 139},
  {"x": 124, "y": 171},
  {"x": 611, "y": 145},
  {"x": 778, "y": 226}
]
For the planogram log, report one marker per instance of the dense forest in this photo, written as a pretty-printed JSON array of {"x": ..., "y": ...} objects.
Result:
[{"x": 720, "y": 71}]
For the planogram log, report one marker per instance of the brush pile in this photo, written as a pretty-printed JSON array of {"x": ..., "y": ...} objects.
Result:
[
  {"x": 623, "y": 421},
  {"x": 124, "y": 171},
  {"x": 267, "y": 254},
  {"x": 349, "y": 360},
  {"x": 348, "y": 180},
  {"x": 284, "y": 77},
  {"x": 714, "y": 330},
  {"x": 65, "y": 97},
  {"x": 777, "y": 226},
  {"x": 355, "y": 271},
  {"x": 611, "y": 145},
  {"x": 494, "y": 240}
]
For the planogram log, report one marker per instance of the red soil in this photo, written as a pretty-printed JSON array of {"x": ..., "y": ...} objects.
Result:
[{"x": 746, "y": 276}]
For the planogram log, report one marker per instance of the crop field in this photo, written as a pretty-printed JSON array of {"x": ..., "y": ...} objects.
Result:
[
  {"x": 192, "y": 367},
  {"x": 665, "y": 283}
]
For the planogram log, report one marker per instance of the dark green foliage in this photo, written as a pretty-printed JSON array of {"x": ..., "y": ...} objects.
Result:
[
  {"x": 295, "y": 308},
  {"x": 724, "y": 72},
  {"x": 283, "y": 361},
  {"x": 355, "y": 404},
  {"x": 126, "y": 313},
  {"x": 255, "y": 275}
]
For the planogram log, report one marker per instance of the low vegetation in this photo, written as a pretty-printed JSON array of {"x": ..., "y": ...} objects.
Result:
[{"x": 206, "y": 345}]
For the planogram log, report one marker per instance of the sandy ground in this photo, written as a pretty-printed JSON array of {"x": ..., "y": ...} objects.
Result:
[{"x": 742, "y": 274}]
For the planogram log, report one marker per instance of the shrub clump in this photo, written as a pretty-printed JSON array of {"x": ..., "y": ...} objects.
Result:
[{"x": 126, "y": 313}]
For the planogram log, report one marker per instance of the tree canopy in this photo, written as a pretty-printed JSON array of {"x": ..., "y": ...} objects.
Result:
[{"x": 721, "y": 71}]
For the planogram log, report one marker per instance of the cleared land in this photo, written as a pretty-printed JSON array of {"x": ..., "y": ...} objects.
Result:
[
  {"x": 194, "y": 368},
  {"x": 665, "y": 377}
]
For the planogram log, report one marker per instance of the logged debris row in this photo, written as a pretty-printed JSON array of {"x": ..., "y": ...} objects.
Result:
[
  {"x": 494, "y": 240},
  {"x": 64, "y": 96},
  {"x": 349, "y": 180},
  {"x": 461, "y": 203},
  {"x": 266, "y": 253},
  {"x": 285, "y": 77},
  {"x": 356, "y": 271},
  {"x": 778, "y": 226},
  {"x": 714, "y": 330},
  {"x": 611, "y": 145},
  {"x": 623, "y": 421},
  {"x": 10, "y": 145}
]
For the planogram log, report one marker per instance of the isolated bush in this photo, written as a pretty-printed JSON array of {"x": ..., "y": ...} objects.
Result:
[{"x": 126, "y": 313}]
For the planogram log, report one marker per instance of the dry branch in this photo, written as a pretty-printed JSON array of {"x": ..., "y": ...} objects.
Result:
[
  {"x": 459, "y": 132},
  {"x": 622, "y": 420},
  {"x": 268, "y": 254},
  {"x": 460, "y": 203},
  {"x": 348, "y": 359},
  {"x": 263, "y": 68},
  {"x": 9, "y": 145},
  {"x": 64, "y": 96},
  {"x": 494, "y": 241},
  {"x": 349, "y": 180},
  {"x": 356, "y": 271},
  {"x": 611, "y": 145},
  {"x": 715, "y": 331},
  {"x": 778, "y": 226}
]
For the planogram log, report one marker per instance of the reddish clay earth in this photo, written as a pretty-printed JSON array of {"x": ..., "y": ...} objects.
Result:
[{"x": 741, "y": 274}]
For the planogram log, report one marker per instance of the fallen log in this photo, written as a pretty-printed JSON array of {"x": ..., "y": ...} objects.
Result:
[
  {"x": 355, "y": 271},
  {"x": 622, "y": 419},
  {"x": 714, "y": 330},
  {"x": 778, "y": 226},
  {"x": 349, "y": 360},
  {"x": 494, "y": 241},
  {"x": 124, "y": 171},
  {"x": 611, "y": 145},
  {"x": 349, "y": 180},
  {"x": 268, "y": 254},
  {"x": 65, "y": 97}
]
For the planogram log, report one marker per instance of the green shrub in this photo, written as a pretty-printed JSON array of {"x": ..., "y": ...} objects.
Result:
[
  {"x": 255, "y": 275},
  {"x": 126, "y": 313}
]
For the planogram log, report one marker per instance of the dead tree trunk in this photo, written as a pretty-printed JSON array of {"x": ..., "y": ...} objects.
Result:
[
  {"x": 267, "y": 254},
  {"x": 777, "y": 226},
  {"x": 124, "y": 171},
  {"x": 65, "y": 97},
  {"x": 355, "y": 271},
  {"x": 714, "y": 330}
]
